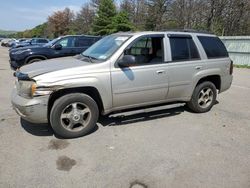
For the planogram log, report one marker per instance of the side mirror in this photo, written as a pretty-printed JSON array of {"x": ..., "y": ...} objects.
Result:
[
  {"x": 126, "y": 61},
  {"x": 58, "y": 47}
]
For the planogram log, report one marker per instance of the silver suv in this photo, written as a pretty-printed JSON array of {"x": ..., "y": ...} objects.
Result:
[{"x": 123, "y": 71}]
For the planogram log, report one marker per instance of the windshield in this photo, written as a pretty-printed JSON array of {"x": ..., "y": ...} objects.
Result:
[
  {"x": 50, "y": 43},
  {"x": 105, "y": 47}
]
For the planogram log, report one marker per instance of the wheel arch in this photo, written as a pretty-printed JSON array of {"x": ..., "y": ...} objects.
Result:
[
  {"x": 91, "y": 91},
  {"x": 42, "y": 57},
  {"x": 215, "y": 79}
]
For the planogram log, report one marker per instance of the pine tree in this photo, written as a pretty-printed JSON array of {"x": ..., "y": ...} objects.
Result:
[
  {"x": 121, "y": 22},
  {"x": 103, "y": 22}
]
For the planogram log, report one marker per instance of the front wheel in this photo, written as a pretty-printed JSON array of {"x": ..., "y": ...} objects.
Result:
[
  {"x": 74, "y": 115},
  {"x": 203, "y": 98},
  {"x": 34, "y": 60}
]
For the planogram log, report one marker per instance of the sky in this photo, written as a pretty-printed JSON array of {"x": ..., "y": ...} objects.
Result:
[{"x": 19, "y": 15}]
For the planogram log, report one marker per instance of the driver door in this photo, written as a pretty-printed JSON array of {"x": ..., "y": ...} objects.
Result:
[
  {"x": 68, "y": 46},
  {"x": 146, "y": 82}
]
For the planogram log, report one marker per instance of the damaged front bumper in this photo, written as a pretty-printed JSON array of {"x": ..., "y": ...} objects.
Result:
[{"x": 34, "y": 110}]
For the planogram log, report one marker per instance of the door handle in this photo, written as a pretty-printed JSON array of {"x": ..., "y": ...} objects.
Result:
[
  {"x": 198, "y": 67},
  {"x": 160, "y": 71}
]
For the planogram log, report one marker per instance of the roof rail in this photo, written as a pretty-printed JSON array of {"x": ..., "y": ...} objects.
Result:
[{"x": 189, "y": 31}]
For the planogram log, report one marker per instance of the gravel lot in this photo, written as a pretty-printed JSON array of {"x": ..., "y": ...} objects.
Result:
[{"x": 157, "y": 147}]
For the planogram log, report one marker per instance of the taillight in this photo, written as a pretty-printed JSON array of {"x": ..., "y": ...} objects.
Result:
[{"x": 231, "y": 67}]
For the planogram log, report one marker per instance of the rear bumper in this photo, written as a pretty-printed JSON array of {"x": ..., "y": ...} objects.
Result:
[{"x": 33, "y": 110}]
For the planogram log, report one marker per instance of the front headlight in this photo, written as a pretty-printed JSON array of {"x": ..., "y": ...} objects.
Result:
[
  {"x": 25, "y": 88},
  {"x": 21, "y": 51},
  {"x": 29, "y": 89},
  {"x": 39, "y": 91}
]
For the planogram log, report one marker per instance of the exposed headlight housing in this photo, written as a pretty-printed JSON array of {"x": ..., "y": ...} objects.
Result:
[
  {"x": 25, "y": 88},
  {"x": 29, "y": 89}
]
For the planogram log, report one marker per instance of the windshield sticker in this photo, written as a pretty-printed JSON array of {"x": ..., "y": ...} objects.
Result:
[
  {"x": 121, "y": 38},
  {"x": 103, "y": 57}
]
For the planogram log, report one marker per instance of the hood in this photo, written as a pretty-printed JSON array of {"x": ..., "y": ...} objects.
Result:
[
  {"x": 46, "y": 66},
  {"x": 27, "y": 47}
]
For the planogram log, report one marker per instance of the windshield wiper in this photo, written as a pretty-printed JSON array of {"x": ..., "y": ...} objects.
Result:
[{"x": 90, "y": 58}]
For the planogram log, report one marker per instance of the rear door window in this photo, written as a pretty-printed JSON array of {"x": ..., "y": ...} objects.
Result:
[
  {"x": 83, "y": 41},
  {"x": 42, "y": 41},
  {"x": 213, "y": 47},
  {"x": 183, "y": 49}
]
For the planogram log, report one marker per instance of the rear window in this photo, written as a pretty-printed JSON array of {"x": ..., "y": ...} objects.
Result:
[
  {"x": 213, "y": 47},
  {"x": 183, "y": 49}
]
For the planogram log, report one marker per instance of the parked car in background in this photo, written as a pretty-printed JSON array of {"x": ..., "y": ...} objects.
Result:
[
  {"x": 30, "y": 42},
  {"x": 21, "y": 43},
  {"x": 11, "y": 42},
  {"x": 123, "y": 71},
  {"x": 22, "y": 39},
  {"x": 6, "y": 42},
  {"x": 69, "y": 45}
]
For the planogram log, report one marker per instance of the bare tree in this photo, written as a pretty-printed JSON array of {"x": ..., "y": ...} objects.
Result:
[
  {"x": 137, "y": 10},
  {"x": 59, "y": 22},
  {"x": 157, "y": 14},
  {"x": 84, "y": 19}
]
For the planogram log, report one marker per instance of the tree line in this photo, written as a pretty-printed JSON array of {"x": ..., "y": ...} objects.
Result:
[{"x": 102, "y": 17}]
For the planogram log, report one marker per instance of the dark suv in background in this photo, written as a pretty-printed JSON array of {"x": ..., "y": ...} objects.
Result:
[{"x": 69, "y": 45}]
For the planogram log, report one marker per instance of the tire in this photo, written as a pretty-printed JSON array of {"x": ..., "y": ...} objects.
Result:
[
  {"x": 34, "y": 60},
  {"x": 74, "y": 115},
  {"x": 203, "y": 98}
]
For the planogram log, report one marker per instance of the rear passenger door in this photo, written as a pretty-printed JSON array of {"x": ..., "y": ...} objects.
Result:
[{"x": 184, "y": 65}]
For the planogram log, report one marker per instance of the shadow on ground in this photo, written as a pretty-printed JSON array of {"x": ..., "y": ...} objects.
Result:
[
  {"x": 140, "y": 116},
  {"x": 36, "y": 129},
  {"x": 43, "y": 129}
]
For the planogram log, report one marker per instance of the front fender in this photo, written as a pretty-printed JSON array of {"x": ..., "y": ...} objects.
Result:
[{"x": 101, "y": 84}]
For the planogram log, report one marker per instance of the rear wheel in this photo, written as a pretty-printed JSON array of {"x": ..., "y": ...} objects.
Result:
[
  {"x": 203, "y": 98},
  {"x": 74, "y": 115}
]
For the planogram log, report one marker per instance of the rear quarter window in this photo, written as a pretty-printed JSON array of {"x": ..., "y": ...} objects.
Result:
[{"x": 213, "y": 47}]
